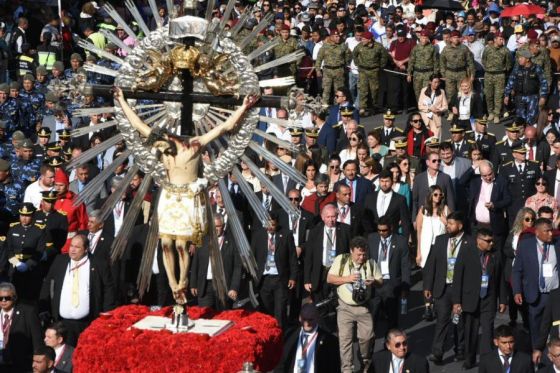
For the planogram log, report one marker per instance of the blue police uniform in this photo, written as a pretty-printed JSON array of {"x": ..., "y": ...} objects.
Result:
[{"x": 529, "y": 84}]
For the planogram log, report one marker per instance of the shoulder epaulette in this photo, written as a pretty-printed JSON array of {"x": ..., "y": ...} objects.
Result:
[
  {"x": 500, "y": 142},
  {"x": 2, "y": 238},
  {"x": 507, "y": 163},
  {"x": 14, "y": 224},
  {"x": 361, "y": 126},
  {"x": 338, "y": 125},
  {"x": 40, "y": 226},
  {"x": 378, "y": 128},
  {"x": 471, "y": 141},
  {"x": 63, "y": 212},
  {"x": 534, "y": 161},
  {"x": 399, "y": 130},
  {"x": 469, "y": 132},
  {"x": 490, "y": 134}
]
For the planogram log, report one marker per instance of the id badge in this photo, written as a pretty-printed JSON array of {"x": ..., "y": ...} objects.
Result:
[
  {"x": 332, "y": 255},
  {"x": 451, "y": 264},
  {"x": 385, "y": 267},
  {"x": 301, "y": 365},
  {"x": 547, "y": 270},
  {"x": 484, "y": 281},
  {"x": 270, "y": 260}
]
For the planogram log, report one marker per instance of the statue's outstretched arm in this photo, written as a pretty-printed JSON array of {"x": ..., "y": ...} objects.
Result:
[
  {"x": 132, "y": 117},
  {"x": 229, "y": 124}
]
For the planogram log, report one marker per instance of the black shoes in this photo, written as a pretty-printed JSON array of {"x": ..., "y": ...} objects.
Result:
[
  {"x": 435, "y": 359},
  {"x": 459, "y": 357},
  {"x": 428, "y": 313}
]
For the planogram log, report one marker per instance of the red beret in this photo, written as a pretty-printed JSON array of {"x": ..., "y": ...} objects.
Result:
[
  {"x": 532, "y": 34},
  {"x": 425, "y": 33},
  {"x": 367, "y": 35},
  {"x": 61, "y": 177},
  {"x": 285, "y": 27},
  {"x": 455, "y": 33}
]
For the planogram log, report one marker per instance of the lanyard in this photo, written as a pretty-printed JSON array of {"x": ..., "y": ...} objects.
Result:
[
  {"x": 77, "y": 266},
  {"x": 306, "y": 347},
  {"x": 60, "y": 356},
  {"x": 271, "y": 244},
  {"x": 544, "y": 252},
  {"x": 484, "y": 263},
  {"x": 332, "y": 237}
]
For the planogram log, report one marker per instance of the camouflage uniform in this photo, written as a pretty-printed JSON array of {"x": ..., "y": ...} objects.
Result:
[
  {"x": 370, "y": 60},
  {"x": 12, "y": 191},
  {"x": 455, "y": 63},
  {"x": 10, "y": 111},
  {"x": 423, "y": 62},
  {"x": 31, "y": 104},
  {"x": 335, "y": 57},
  {"x": 283, "y": 48},
  {"x": 542, "y": 59},
  {"x": 26, "y": 172},
  {"x": 497, "y": 62},
  {"x": 528, "y": 84}
]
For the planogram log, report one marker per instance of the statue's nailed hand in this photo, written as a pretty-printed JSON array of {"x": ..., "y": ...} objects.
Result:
[
  {"x": 249, "y": 101},
  {"x": 117, "y": 93}
]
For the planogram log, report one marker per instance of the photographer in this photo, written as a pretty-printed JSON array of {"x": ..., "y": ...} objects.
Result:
[{"x": 353, "y": 274}]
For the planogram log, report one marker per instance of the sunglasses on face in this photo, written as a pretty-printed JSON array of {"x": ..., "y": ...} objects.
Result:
[
  {"x": 438, "y": 194},
  {"x": 401, "y": 344},
  {"x": 528, "y": 219},
  {"x": 539, "y": 183},
  {"x": 353, "y": 139},
  {"x": 415, "y": 121},
  {"x": 436, "y": 160},
  {"x": 334, "y": 166},
  {"x": 490, "y": 240},
  {"x": 6, "y": 298},
  {"x": 294, "y": 198}
]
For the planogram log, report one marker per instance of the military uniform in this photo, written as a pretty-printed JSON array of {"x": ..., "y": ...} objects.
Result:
[
  {"x": 422, "y": 63},
  {"x": 31, "y": 104},
  {"x": 497, "y": 63},
  {"x": 485, "y": 141},
  {"x": 285, "y": 47},
  {"x": 11, "y": 196},
  {"x": 388, "y": 133},
  {"x": 521, "y": 185},
  {"x": 528, "y": 84},
  {"x": 370, "y": 60},
  {"x": 542, "y": 59},
  {"x": 333, "y": 58},
  {"x": 10, "y": 112},
  {"x": 455, "y": 63},
  {"x": 502, "y": 154},
  {"x": 26, "y": 172},
  {"x": 56, "y": 226}
]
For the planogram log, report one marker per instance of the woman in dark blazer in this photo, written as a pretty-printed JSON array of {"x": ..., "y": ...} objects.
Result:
[{"x": 467, "y": 104}]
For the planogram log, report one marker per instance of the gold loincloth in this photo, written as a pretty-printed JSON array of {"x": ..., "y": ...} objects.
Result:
[{"x": 182, "y": 212}]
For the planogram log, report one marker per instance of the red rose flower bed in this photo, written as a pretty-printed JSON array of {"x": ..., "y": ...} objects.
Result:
[{"x": 110, "y": 344}]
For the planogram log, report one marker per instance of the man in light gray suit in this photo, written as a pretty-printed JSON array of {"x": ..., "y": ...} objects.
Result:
[
  {"x": 454, "y": 166},
  {"x": 432, "y": 176},
  {"x": 82, "y": 179}
]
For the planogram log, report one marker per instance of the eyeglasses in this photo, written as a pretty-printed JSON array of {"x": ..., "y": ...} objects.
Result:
[
  {"x": 415, "y": 120},
  {"x": 528, "y": 219},
  {"x": 487, "y": 241},
  {"x": 399, "y": 344},
  {"x": 266, "y": 4},
  {"x": 436, "y": 160},
  {"x": 6, "y": 299},
  {"x": 363, "y": 166},
  {"x": 460, "y": 21},
  {"x": 554, "y": 356},
  {"x": 294, "y": 199},
  {"x": 514, "y": 20},
  {"x": 334, "y": 166}
]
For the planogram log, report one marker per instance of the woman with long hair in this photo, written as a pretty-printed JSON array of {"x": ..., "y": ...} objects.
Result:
[
  {"x": 430, "y": 222},
  {"x": 310, "y": 173},
  {"x": 399, "y": 186},
  {"x": 351, "y": 151},
  {"x": 524, "y": 221},
  {"x": 334, "y": 171},
  {"x": 467, "y": 104},
  {"x": 542, "y": 198},
  {"x": 416, "y": 134},
  {"x": 407, "y": 174},
  {"x": 432, "y": 103}
]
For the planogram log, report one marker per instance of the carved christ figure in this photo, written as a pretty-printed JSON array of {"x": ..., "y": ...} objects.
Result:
[{"x": 182, "y": 205}]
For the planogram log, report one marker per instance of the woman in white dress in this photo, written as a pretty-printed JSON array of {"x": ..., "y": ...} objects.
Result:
[
  {"x": 430, "y": 222},
  {"x": 351, "y": 152}
]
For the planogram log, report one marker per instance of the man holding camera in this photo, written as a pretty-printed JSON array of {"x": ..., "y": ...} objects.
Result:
[{"x": 353, "y": 274}]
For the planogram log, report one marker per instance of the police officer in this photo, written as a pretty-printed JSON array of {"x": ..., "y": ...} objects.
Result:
[
  {"x": 422, "y": 64},
  {"x": 5, "y": 146},
  {"x": 9, "y": 110},
  {"x": 331, "y": 63},
  {"x": 485, "y": 140},
  {"x": 32, "y": 103},
  {"x": 456, "y": 63},
  {"x": 528, "y": 84},
  {"x": 42, "y": 79},
  {"x": 497, "y": 62},
  {"x": 521, "y": 176},
  {"x": 76, "y": 61},
  {"x": 370, "y": 57},
  {"x": 539, "y": 55},
  {"x": 458, "y": 141},
  {"x": 25, "y": 244},
  {"x": 11, "y": 193},
  {"x": 25, "y": 62},
  {"x": 40, "y": 149},
  {"x": 55, "y": 223},
  {"x": 26, "y": 167},
  {"x": 502, "y": 150},
  {"x": 388, "y": 131}
]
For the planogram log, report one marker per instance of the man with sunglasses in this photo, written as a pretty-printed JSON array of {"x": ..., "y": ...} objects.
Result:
[
  {"x": 397, "y": 357},
  {"x": 20, "y": 332},
  {"x": 477, "y": 285}
]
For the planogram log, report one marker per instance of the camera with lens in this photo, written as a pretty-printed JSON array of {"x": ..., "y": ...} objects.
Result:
[{"x": 359, "y": 292}]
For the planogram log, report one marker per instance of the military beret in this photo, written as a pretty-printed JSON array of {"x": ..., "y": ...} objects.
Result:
[
  {"x": 367, "y": 35},
  {"x": 27, "y": 209},
  {"x": 29, "y": 77},
  {"x": 5, "y": 87},
  {"x": 51, "y": 97},
  {"x": 49, "y": 195},
  {"x": 532, "y": 34},
  {"x": 41, "y": 70},
  {"x": 77, "y": 57},
  {"x": 498, "y": 34},
  {"x": 4, "y": 165},
  {"x": 525, "y": 53},
  {"x": 91, "y": 58},
  {"x": 334, "y": 32},
  {"x": 18, "y": 135},
  {"x": 58, "y": 65},
  {"x": 44, "y": 132},
  {"x": 455, "y": 33},
  {"x": 14, "y": 85},
  {"x": 456, "y": 128},
  {"x": 425, "y": 33},
  {"x": 27, "y": 144},
  {"x": 347, "y": 111},
  {"x": 388, "y": 115},
  {"x": 401, "y": 33}
]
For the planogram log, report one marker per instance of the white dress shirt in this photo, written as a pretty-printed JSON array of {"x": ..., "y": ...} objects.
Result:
[
  {"x": 94, "y": 240},
  {"x": 325, "y": 244},
  {"x": 310, "y": 356},
  {"x": 383, "y": 201},
  {"x": 209, "y": 275},
  {"x": 118, "y": 213},
  {"x": 67, "y": 310},
  {"x": 344, "y": 214}
]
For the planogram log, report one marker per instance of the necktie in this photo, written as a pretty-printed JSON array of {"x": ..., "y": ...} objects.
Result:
[
  {"x": 542, "y": 283},
  {"x": 294, "y": 223},
  {"x": 383, "y": 250},
  {"x": 232, "y": 188},
  {"x": 285, "y": 182},
  {"x": 267, "y": 203},
  {"x": 387, "y": 133},
  {"x": 75, "y": 288},
  {"x": 506, "y": 362},
  {"x": 382, "y": 211},
  {"x": 397, "y": 367},
  {"x": 483, "y": 290},
  {"x": 304, "y": 339},
  {"x": 457, "y": 146},
  {"x": 329, "y": 247},
  {"x": 453, "y": 246},
  {"x": 343, "y": 210},
  {"x": 479, "y": 137},
  {"x": 531, "y": 153},
  {"x": 520, "y": 169}
]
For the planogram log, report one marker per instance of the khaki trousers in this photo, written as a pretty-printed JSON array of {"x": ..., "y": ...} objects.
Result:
[{"x": 346, "y": 317}]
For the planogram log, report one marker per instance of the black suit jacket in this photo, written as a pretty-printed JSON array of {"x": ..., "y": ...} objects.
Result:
[
  {"x": 547, "y": 369},
  {"x": 103, "y": 245},
  {"x": 491, "y": 363},
  {"x": 284, "y": 255},
  {"x": 313, "y": 262},
  {"x": 327, "y": 353},
  {"x": 305, "y": 223},
  {"x": 274, "y": 206},
  {"x": 65, "y": 362},
  {"x": 467, "y": 280},
  {"x": 412, "y": 363},
  {"x": 550, "y": 177},
  {"x": 25, "y": 335},
  {"x": 397, "y": 212},
  {"x": 399, "y": 264},
  {"x": 230, "y": 259},
  {"x": 500, "y": 197},
  {"x": 551, "y": 315},
  {"x": 435, "y": 270},
  {"x": 363, "y": 188},
  {"x": 279, "y": 183},
  {"x": 102, "y": 290}
]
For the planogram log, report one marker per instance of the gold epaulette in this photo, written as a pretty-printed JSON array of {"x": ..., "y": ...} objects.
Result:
[
  {"x": 41, "y": 226},
  {"x": 500, "y": 142},
  {"x": 14, "y": 224},
  {"x": 471, "y": 141},
  {"x": 398, "y": 130},
  {"x": 2, "y": 238},
  {"x": 507, "y": 163}
]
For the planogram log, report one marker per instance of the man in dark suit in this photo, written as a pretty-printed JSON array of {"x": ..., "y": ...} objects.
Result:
[
  {"x": 342, "y": 97},
  {"x": 202, "y": 274},
  {"x": 55, "y": 337},
  {"x": 432, "y": 176},
  {"x": 326, "y": 134},
  {"x": 360, "y": 187},
  {"x": 43, "y": 360},
  {"x": 390, "y": 251},
  {"x": 82, "y": 179},
  {"x": 330, "y": 239},
  {"x": 348, "y": 213},
  {"x": 283, "y": 183},
  {"x": 438, "y": 283},
  {"x": 477, "y": 284},
  {"x": 276, "y": 259},
  {"x": 397, "y": 357},
  {"x": 66, "y": 289},
  {"x": 488, "y": 200},
  {"x": 20, "y": 333},
  {"x": 553, "y": 355},
  {"x": 553, "y": 177},
  {"x": 309, "y": 347},
  {"x": 505, "y": 358},
  {"x": 455, "y": 166},
  {"x": 386, "y": 203},
  {"x": 267, "y": 202},
  {"x": 535, "y": 273},
  {"x": 100, "y": 239}
]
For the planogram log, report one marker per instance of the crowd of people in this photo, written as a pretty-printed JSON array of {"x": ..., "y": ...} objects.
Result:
[{"x": 474, "y": 216}]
